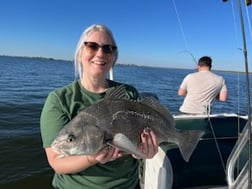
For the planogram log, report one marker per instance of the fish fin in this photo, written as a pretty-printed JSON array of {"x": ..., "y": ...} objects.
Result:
[
  {"x": 188, "y": 143},
  {"x": 153, "y": 103},
  {"x": 123, "y": 143},
  {"x": 118, "y": 93}
]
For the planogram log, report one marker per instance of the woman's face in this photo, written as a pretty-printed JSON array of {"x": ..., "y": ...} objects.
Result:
[{"x": 96, "y": 62}]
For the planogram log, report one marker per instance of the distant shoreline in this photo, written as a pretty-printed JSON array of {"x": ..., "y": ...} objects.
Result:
[
  {"x": 34, "y": 57},
  {"x": 53, "y": 59}
]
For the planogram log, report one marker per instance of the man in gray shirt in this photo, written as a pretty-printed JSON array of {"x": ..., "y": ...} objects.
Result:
[{"x": 201, "y": 88}]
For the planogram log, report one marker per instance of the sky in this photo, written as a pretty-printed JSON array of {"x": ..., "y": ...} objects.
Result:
[{"x": 162, "y": 33}]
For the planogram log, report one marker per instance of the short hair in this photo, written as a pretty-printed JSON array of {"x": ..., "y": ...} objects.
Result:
[
  {"x": 205, "y": 61},
  {"x": 95, "y": 27}
]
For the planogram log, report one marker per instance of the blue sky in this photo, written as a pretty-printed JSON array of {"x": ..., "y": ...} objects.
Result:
[{"x": 164, "y": 33}]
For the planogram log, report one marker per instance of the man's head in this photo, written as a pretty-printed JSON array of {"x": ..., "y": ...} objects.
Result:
[{"x": 205, "y": 61}]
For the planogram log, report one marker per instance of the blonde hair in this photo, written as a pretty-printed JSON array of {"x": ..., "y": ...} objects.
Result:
[{"x": 95, "y": 27}]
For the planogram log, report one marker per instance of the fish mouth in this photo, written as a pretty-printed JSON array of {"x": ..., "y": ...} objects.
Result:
[
  {"x": 66, "y": 152},
  {"x": 58, "y": 147},
  {"x": 60, "y": 152},
  {"x": 99, "y": 62}
]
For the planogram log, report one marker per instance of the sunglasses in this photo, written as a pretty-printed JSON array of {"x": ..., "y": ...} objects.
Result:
[{"x": 93, "y": 47}]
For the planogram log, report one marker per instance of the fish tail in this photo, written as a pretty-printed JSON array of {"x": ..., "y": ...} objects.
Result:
[{"x": 189, "y": 141}]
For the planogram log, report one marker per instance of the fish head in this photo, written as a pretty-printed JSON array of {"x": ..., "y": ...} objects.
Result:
[{"x": 86, "y": 140}]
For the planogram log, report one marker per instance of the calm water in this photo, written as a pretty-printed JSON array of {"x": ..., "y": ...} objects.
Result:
[{"x": 24, "y": 85}]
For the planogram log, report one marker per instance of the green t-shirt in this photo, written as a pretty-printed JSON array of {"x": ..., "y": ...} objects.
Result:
[{"x": 60, "y": 107}]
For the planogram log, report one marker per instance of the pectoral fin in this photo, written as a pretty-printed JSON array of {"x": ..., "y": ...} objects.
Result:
[{"x": 123, "y": 143}]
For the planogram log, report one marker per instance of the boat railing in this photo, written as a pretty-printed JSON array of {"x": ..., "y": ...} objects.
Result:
[{"x": 239, "y": 177}]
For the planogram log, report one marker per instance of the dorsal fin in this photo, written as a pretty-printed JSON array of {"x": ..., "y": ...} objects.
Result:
[
  {"x": 155, "y": 104},
  {"x": 118, "y": 93}
]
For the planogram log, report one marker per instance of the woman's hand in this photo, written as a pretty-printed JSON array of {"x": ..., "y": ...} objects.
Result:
[
  {"x": 149, "y": 144},
  {"x": 105, "y": 155}
]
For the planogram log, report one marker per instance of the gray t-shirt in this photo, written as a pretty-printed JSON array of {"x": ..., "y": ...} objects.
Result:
[{"x": 202, "y": 88}]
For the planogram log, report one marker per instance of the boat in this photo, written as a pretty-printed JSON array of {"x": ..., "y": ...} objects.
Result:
[
  {"x": 207, "y": 165},
  {"x": 222, "y": 158}
]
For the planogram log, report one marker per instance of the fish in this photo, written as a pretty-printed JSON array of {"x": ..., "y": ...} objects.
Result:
[{"x": 118, "y": 121}]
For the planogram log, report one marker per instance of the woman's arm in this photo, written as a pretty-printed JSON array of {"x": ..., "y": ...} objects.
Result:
[{"x": 78, "y": 163}]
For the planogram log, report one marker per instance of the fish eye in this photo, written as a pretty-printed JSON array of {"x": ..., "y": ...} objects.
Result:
[{"x": 70, "y": 138}]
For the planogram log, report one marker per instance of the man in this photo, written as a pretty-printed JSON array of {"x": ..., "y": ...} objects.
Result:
[{"x": 201, "y": 88}]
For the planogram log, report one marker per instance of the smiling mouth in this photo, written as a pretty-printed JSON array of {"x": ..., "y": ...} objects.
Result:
[{"x": 98, "y": 62}]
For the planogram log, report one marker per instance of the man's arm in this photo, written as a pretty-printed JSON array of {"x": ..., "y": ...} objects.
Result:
[
  {"x": 182, "y": 92},
  {"x": 222, "y": 96}
]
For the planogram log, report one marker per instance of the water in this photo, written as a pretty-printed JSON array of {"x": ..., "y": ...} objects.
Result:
[{"x": 26, "y": 82}]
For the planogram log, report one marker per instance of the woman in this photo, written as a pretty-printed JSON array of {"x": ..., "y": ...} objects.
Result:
[{"x": 95, "y": 54}]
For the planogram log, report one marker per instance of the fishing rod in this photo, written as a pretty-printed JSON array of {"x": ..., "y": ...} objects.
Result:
[
  {"x": 183, "y": 33},
  {"x": 193, "y": 57},
  {"x": 248, "y": 90},
  {"x": 245, "y": 54}
]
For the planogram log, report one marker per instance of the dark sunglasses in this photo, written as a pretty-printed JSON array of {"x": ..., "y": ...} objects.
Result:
[{"x": 92, "y": 46}]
